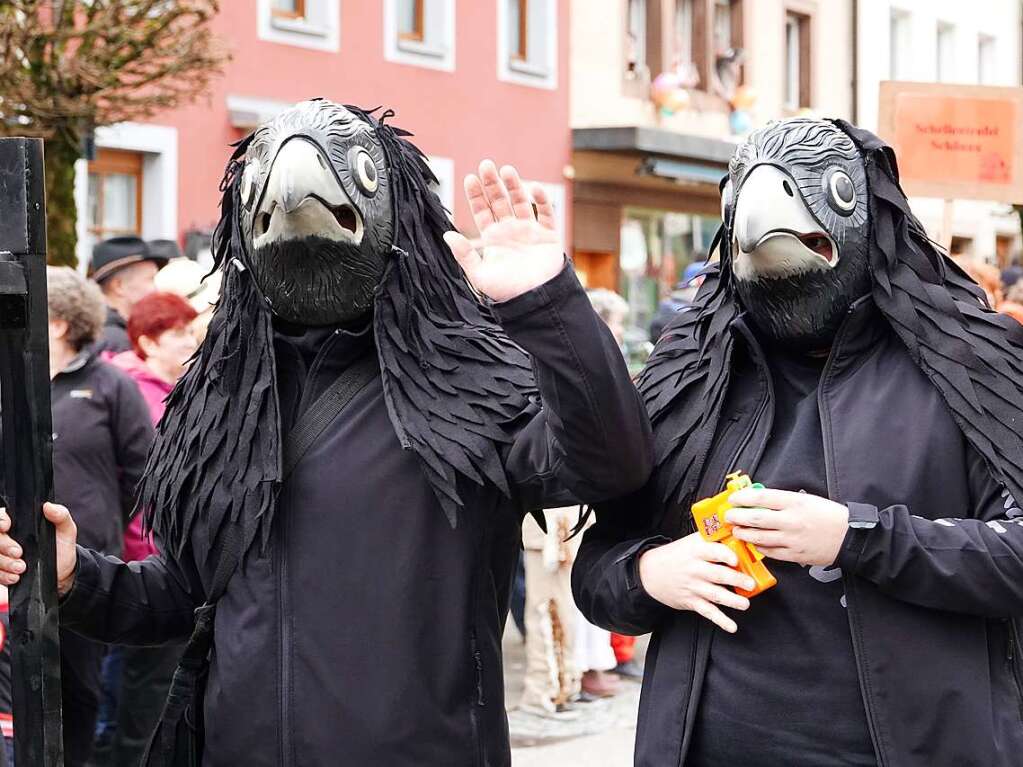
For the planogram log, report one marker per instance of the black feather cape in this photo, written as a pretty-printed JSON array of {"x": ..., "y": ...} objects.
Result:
[
  {"x": 453, "y": 382},
  {"x": 972, "y": 355}
]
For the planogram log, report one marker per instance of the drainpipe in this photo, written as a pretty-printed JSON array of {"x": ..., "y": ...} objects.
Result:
[{"x": 855, "y": 62}]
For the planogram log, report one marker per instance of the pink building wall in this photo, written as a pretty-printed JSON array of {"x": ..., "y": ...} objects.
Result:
[{"x": 465, "y": 115}]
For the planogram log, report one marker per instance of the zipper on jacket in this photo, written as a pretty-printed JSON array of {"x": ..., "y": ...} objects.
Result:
[
  {"x": 847, "y": 581},
  {"x": 1012, "y": 651},
  {"x": 283, "y": 645},
  {"x": 477, "y": 700}
]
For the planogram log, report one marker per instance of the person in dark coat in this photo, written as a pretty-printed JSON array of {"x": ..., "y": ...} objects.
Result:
[
  {"x": 840, "y": 359},
  {"x": 124, "y": 268},
  {"x": 364, "y": 625},
  {"x": 101, "y": 437}
]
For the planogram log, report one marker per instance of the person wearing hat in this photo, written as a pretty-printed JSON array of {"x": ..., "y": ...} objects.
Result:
[
  {"x": 681, "y": 297},
  {"x": 124, "y": 268}
]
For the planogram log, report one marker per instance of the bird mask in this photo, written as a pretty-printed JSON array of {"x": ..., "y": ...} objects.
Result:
[{"x": 795, "y": 208}]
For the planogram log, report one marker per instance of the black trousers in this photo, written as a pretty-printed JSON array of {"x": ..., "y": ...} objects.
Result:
[
  {"x": 146, "y": 674},
  {"x": 80, "y": 662}
]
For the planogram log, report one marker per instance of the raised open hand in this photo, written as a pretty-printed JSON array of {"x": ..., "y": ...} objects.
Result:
[{"x": 517, "y": 250}]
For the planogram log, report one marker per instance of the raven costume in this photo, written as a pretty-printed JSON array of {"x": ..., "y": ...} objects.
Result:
[
  {"x": 834, "y": 350},
  {"x": 364, "y": 623}
]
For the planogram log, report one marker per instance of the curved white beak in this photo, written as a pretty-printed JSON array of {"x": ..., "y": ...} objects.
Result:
[
  {"x": 303, "y": 198},
  {"x": 774, "y": 233}
]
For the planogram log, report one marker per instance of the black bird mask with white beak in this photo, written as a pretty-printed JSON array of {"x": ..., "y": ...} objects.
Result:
[{"x": 796, "y": 209}]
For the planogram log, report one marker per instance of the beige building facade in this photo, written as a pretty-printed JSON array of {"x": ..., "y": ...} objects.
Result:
[{"x": 645, "y": 188}]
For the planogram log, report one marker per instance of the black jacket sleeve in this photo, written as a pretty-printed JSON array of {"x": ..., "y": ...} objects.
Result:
[
  {"x": 969, "y": 565},
  {"x": 605, "y": 575},
  {"x": 133, "y": 432},
  {"x": 146, "y": 603},
  {"x": 591, "y": 438}
]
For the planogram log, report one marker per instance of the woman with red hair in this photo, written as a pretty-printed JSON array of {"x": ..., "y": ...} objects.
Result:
[{"x": 162, "y": 344}]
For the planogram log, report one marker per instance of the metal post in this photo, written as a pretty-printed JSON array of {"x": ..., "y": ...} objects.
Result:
[{"x": 27, "y": 452}]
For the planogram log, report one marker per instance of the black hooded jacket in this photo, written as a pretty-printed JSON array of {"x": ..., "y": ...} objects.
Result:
[
  {"x": 370, "y": 632},
  {"x": 933, "y": 577}
]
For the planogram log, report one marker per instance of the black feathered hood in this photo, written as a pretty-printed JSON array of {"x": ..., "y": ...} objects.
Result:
[
  {"x": 971, "y": 354},
  {"x": 452, "y": 380}
]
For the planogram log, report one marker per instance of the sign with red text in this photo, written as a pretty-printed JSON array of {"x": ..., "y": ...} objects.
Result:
[{"x": 955, "y": 141}]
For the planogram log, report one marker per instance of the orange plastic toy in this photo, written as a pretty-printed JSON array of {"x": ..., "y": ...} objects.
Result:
[{"x": 710, "y": 523}]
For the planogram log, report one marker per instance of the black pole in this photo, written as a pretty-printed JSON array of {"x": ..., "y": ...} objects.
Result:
[{"x": 27, "y": 452}]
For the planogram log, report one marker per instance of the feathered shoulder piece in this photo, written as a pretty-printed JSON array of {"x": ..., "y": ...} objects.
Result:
[
  {"x": 972, "y": 355},
  {"x": 216, "y": 459},
  {"x": 455, "y": 383},
  {"x": 684, "y": 385}
]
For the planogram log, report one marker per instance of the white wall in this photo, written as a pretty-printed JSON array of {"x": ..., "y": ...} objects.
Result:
[{"x": 999, "y": 19}]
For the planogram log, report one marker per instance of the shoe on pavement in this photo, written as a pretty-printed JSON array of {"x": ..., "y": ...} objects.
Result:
[{"x": 629, "y": 670}]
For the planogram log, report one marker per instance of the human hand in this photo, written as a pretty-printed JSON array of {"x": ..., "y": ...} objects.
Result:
[
  {"x": 517, "y": 250},
  {"x": 11, "y": 564},
  {"x": 792, "y": 527},
  {"x": 683, "y": 575}
]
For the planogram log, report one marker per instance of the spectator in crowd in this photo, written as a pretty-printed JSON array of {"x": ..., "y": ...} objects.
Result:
[
  {"x": 188, "y": 279},
  {"x": 124, "y": 269},
  {"x": 552, "y": 679},
  {"x": 1012, "y": 273},
  {"x": 6, "y": 699},
  {"x": 101, "y": 437},
  {"x": 162, "y": 343},
  {"x": 985, "y": 275},
  {"x": 681, "y": 297}
]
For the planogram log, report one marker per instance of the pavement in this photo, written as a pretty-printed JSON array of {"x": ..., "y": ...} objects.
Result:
[{"x": 602, "y": 734}]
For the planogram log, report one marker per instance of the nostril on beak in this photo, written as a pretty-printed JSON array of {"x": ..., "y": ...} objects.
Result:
[{"x": 787, "y": 188}]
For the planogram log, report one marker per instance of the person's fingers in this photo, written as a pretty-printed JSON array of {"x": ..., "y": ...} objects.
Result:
[
  {"x": 521, "y": 204},
  {"x": 758, "y": 537},
  {"x": 9, "y": 579},
  {"x": 767, "y": 519},
  {"x": 721, "y": 596},
  {"x": 766, "y": 498},
  {"x": 482, "y": 215},
  {"x": 494, "y": 189},
  {"x": 718, "y": 552},
  {"x": 463, "y": 251},
  {"x": 781, "y": 553},
  {"x": 544, "y": 207},
  {"x": 60, "y": 517},
  {"x": 5, "y": 521},
  {"x": 11, "y": 565},
  {"x": 714, "y": 615},
  {"x": 725, "y": 576}
]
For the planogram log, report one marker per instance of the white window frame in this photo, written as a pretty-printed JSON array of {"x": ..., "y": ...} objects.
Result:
[
  {"x": 436, "y": 50},
  {"x": 159, "y": 147},
  {"x": 444, "y": 169},
  {"x": 541, "y": 71},
  {"x": 319, "y": 29}
]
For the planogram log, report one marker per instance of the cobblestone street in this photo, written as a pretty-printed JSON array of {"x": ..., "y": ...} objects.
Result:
[{"x": 602, "y": 734}]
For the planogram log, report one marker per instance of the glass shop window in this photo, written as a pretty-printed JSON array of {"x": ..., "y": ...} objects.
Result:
[
  {"x": 411, "y": 21},
  {"x": 114, "y": 202}
]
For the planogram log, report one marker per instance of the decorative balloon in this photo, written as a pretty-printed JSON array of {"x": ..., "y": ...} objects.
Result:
[
  {"x": 740, "y": 121},
  {"x": 667, "y": 93},
  {"x": 744, "y": 99}
]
